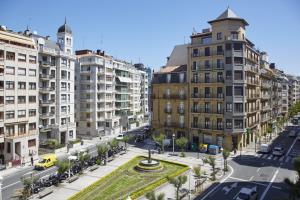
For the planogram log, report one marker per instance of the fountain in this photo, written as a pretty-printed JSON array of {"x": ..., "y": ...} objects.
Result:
[{"x": 149, "y": 165}]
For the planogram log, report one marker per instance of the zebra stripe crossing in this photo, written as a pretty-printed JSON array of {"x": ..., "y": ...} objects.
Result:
[{"x": 285, "y": 159}]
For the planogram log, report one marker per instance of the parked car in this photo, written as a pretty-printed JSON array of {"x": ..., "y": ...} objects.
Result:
[
  {"x": 247, "y": 193},
  {"x": 265, "y": 148},
  {"x": 278, "y": 151},
  {"x": 292, "y": 133},
  {"x": 298, "y": 137},
  {"x": 47, "y": 161},
  {"x": 120, "y": 136}
]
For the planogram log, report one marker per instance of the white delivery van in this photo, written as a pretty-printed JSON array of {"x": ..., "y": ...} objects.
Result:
[{"x": 265, "y": 148}]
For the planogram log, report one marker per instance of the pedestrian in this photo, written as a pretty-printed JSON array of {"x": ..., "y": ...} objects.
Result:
[
  {"x": 23, "y": 160},
  {"x": 234, "y": 151},
  {"x": 31, "y": 159}
]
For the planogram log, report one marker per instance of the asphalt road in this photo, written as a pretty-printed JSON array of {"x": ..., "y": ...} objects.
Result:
[{"x": 263, "y": 171}]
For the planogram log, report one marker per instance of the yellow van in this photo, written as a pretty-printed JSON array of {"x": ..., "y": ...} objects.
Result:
[{"x": 48, "y": 160}]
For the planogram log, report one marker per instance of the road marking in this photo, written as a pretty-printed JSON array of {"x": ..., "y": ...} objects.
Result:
[
  {"x": 275, "y": 158},
  {"x": 276, "y": 187},
  {"x": 250, "y": 179},
  {"x": 37, "y": 174},
  {"x": 295, "y": 140},
  {"x": 216, "y": 187},
  {"x": 239, "y": 179},
  {"x": 272, "y": 180},
  {"x": 258, "y": 170},
  {"x": 264, "y": 156}
]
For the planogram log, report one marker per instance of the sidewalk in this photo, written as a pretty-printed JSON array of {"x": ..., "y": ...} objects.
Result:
[{"x": 66, "y": 190}]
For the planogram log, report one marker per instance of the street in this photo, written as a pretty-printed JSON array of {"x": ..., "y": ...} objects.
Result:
[{"x": 263, "y": 171}]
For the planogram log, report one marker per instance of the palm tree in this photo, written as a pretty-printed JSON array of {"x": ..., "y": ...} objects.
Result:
[
  {"x": 178, "y": 183},
  {"x": 226, "y": 154},
  {"x": 294, "y": 186},
  {"x": 113, "y": 144},
  {"x": 151, "y": 196},
  {"x": 181, "y": 143},
  {"x": 160, "y": 140},
  {"x": 63, "y": 166},
  {"x": 102, "y": 150},
  {"x": 211, "y": 160},
  {"x": 197, "y": 171}
]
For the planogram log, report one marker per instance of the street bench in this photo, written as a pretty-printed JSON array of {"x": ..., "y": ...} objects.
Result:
[
  {"x": 72, "y": 179},
  {"x": 45, "y": 192},
  {"x": 93, "y": 168}
]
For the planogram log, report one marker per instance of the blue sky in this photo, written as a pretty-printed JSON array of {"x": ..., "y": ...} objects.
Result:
[{"x": 146, "y": 31}]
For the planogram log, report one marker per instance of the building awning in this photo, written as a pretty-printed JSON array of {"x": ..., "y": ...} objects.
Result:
[{"x": 124, "y": 79}]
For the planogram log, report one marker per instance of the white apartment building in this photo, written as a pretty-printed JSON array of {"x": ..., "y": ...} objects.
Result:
[
  {"x": 18, "y": 98},
  {"x": 108, "y": 95},
  {"x": 294, "y": 90},
  {"x": 56, "y": 86}
]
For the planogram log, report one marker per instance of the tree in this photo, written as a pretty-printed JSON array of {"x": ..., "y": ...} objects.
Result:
[
  {"x": 269, "y": 130},
  {"x": 178, "y": 183},
  {"x": 63, "y": 166},
  {"x": 83, "y": 157},
  {"x": 181, "y": 143},
  {"x": 226, "y": 154},
  {"x": 160, "y": 140},
  {"x": 113, "y": 144},
  {"x": 294, "y": 186},
  {"x": 27, "y": 183},
  {"x": 197, "y": 171},
  {"x": 211, "y": 160},
  {"x": 125, "y": 139},
  {"x": 102, "y": 150},
  {"x": 151, "y": 196}
]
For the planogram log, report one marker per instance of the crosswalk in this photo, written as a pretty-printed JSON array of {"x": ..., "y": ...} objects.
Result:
[{"x": 285, "y": 159}]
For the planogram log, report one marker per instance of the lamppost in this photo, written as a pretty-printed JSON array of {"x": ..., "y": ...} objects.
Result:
[
  {"x": 190, "y": 183},
  {"x": 173, "y": 136},
  {"x": 1, "y": 179}
]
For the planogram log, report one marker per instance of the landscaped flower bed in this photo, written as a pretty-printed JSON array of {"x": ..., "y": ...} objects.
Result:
[{"x": 125, "y": 180}]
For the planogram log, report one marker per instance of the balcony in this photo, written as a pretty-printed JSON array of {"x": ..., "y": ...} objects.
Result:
[
  {"x": 168, "y": 110},
  {"x": 47, "y": 76},
  {"x": 266, "y": 108},
  {"x": 180, "y": 110},
  {"x": 265, "y": 85},
  {"x": 206, "y": 110},
  {"x": 47, "y": 101},
  {"x": 218, "y": 96},
  {"x": 46, "y": 128},
  {"x": 208, "y": 53},
  {"x": 253, "y": 82},
  {"x": 46, "y": 89},
  {"x": 252, "y": 96},
  {"x": 174, "y": 96},
  {"x": 174, "y": 125},
  {"x": 265, "y": 119},
  {"x": 252, "y": 110},
  {"x": 265, "y": 96},
  {"x": 47, "y": 114},
  {"x": 250, "y": 68},
  {"x": 208, "y": 80},
  {"x": 208, "y": 126}
]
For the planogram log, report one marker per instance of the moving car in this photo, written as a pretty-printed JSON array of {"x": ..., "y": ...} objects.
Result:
[
  {"x": 47, "y": 161},
  {"x": 265, "y": 148},
  {"x": 278, "y": 151},
  {"x": 120, "y": 136},
  {"x": 247, "y": 193}
]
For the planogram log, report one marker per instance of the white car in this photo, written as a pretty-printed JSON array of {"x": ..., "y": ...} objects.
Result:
[
  {"x": 120, "y": 137},
  {"x": 247, "y": 193},
  {"x": 278, "y": 151}
]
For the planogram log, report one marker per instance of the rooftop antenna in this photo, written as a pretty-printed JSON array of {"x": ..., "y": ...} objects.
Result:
[
  {"x": 65, "y": 20},
  {"x": 194, "y": 31}
]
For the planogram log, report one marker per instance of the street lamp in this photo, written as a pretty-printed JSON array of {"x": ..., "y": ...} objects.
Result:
[
  {"x": 173, "y": 136},
  {"x": 1, "y": 179},
  {"x": 190, "y": 183}
]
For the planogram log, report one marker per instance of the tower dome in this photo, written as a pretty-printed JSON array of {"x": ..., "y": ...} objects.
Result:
[{"x": 64, "y": 28}]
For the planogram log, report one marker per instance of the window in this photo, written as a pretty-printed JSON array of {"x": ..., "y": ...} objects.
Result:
[
  {"x": 8, "y": 145},
  {"x": 228, "y": 91},
  {"x": 63, "y": 121},
  {"x": 10, "y": 114},
  {"x": 21, "y": 57},
  {"x": 207, "y": 122},
  {"x": 207, "y": 65},
  {"x": 238, "y": 60},
  {"x": 22, "y": 85},
  {"x": 207, "y": 51},
  {"x": 88, "y": 124},
  {"x": 238, "y": 46},
  {"x": 32, "y": 112},
  {"x": 21, "y": 113},
  {"x": 64, "y": 61},
  {"x": 207, "y": 92},
  {"x": 63, "y": 97},
  {"x": 64, "y": 109},
  {"x": 238, "y": 107},
  {"x": 63, "y": 86},
  {"x": 238, "y": 91},
  {"x": 195, "y": 52},
  {"x": 194, "y": 66},
  {"x": 10, "y": 131},
  {"x": 228, "y": 47},
  {"x": 228, "y": 60},
  {"x": 32, "y": 126},
  {"x": 220, "y": 50},
  {"x": 32, "y": 99},
  {"x": 10, "y": 55},
  {"x": 238, "y": 124},
  {"x": 21, "y": 99},
  {"x": 32, "y": 59},
  {"x": 238, "y": 75},
  {"x": 229, "y": 123},
  {"x": 10, "y": 85},
  {"x": 21, "y": 128},
  {"x": 234, "y": 35},
  {"x": 10, "y": 99},
  {"x": 206, "y": 40},
  {"x": 228, "y": 107},
  {"x": 207, "y": 77},
  {"x": 32, "y": 86},
  {"x": 219, "y": 36},
  {"x": 228, "y": 75},
  {"x": 21, "y": 71},
  {"x": 32, "y": 72},
  {"x": 31, "y": 143},
  {"x": 71, "y": 133},
  {"x": 63, "y": 74},
  {"x": 10, "y": 70}
]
